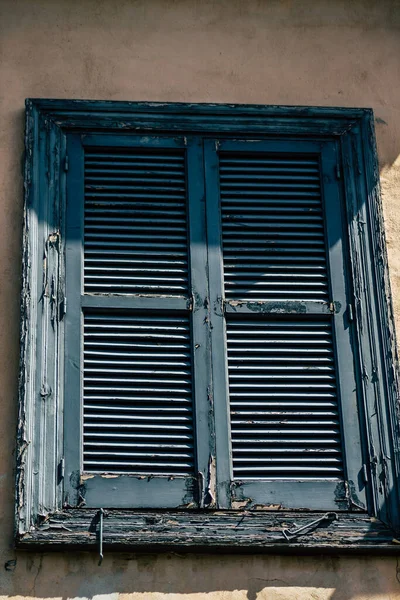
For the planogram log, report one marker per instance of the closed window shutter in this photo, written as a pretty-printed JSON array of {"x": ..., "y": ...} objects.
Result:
[
  {"x": 280, "y": 270},
  {"x": 282, "y": 381},
  {"x": 137, "y": 369},
  {"x": 129, "y": 201}
]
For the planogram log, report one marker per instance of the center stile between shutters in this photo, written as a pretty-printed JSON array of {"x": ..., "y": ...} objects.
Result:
[{"x": 207, "y": 324}]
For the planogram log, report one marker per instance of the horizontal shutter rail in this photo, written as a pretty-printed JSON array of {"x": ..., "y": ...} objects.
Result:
[
  {"x": 281, "y": 162},
  {"x": 266, "y": 204},
  {"x": 171, "y": 447},
  {"x": 146, "y": 222},
  {"x": 272, "y": 173},
  {"x": 104, "y": 154},
  {"x": 141, "y": 207},
  {"x": 103, "y": 173},
  {"x": 283, "y": 445},
  {"x": 97, "y": 437},
  {"x": 117, "y": 356},
  {"x": 245, "y": 196},
  {"x": 286, "y": 256},
  {"x": 162, "y": 419},
  {"x": 93, "y": 302},
  {"x": 137, "y": 409},
  {"x": 135, "y": 212},
  {"x": 268, "y": 186},
  {"x": 289, "y": 450},
  {"x": 123, "y": 197},
  {"x": 117, "y": 188},
  {"x": 151, "y": 401},
  {"x": 152, "y": 175}
]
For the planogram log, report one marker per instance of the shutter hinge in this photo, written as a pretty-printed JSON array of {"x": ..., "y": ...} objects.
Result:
[
  {"x": 332, "y": 307},
  {"x": 61, "y": 469},
  {"x": 350, "y": 312},
  {"x": 66, "y": 163},
  {"x": 191, "y": 302},
  {"x": 62, "y": 309},
  {"x": 365, "y": 474},
  {"x": 338, "y": 172}
]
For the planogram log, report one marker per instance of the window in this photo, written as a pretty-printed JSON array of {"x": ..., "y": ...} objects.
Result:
[{"x": 207, "y": 345}]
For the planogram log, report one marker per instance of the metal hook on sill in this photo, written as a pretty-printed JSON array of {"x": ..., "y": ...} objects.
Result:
[
  {"x": 290, "y": 534},
  {"x": 101, "y": 516}
]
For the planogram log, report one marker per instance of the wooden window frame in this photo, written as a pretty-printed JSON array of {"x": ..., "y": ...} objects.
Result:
[{"x": 42, "y": 517}]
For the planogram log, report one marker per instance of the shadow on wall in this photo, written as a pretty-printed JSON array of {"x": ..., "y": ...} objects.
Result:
[{"x": 187, "y": 577}]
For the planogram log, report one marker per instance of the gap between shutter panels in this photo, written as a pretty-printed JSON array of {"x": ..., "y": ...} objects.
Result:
[
  {"x": 272, "y": 227},
  {"x": 137, "y": 404},
  {"x": 135, "y": 222},
  {"x": 282, "y": 380}
]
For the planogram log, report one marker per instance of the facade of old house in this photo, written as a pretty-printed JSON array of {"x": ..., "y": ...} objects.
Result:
[{"x": 311, "y": 54}]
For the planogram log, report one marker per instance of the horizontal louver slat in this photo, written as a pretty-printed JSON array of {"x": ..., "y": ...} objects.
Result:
[
  {"x": 137, "y": 397},
  {"x": 283, "y": 401},
  {"x": 135, "y": 225},
  {"x": 272, "y": 228}
]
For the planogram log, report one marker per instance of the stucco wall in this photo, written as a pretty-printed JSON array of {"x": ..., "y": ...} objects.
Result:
[{"x": 322, "y": 52}]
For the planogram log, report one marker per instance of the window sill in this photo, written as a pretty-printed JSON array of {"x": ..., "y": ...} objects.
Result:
[{"x": 230, "y": 531}]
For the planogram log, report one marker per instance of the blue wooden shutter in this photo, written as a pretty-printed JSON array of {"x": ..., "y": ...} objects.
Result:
[
  {"x": 130, "y": 332},
  {"x": 286, "y": 393}
]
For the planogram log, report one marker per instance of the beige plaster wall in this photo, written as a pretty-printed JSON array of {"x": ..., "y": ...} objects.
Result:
[{"x": 322, "y": 52}]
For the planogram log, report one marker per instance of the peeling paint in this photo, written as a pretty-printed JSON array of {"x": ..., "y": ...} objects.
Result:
[{"x": 271, "y": 307}]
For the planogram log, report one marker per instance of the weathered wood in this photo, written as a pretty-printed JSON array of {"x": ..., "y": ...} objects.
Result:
[{"x": 229, "y": 530}]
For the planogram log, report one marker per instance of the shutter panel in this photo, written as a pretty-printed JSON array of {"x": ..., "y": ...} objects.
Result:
[
  {"x": 272, "y": 226},
  {"x": 135, "y": 221},
  {"x": 283, "y": 400},
  {"x": 128, "y": 200},
  {"x": 137, "y": 409},
  {"x": 281, "y": 394},
  {"x": 280, "y": 268}
]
